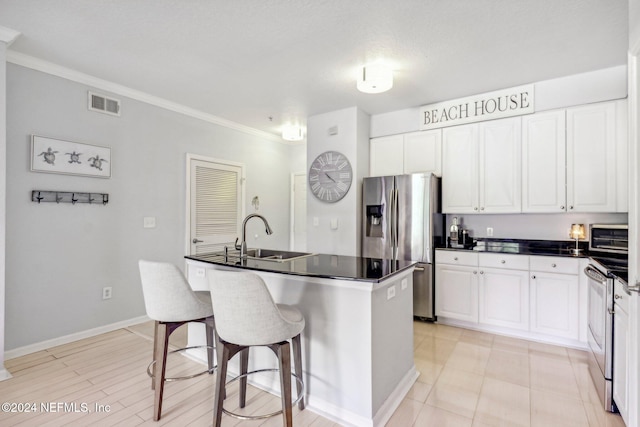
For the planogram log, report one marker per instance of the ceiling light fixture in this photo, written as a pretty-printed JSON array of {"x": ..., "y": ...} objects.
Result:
[
  {"x": 375, "y": 78},
  {"x": 292, "y": 133}
]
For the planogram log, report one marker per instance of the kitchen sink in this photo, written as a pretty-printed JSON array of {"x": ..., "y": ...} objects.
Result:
[{"x": 275, "y": 255}]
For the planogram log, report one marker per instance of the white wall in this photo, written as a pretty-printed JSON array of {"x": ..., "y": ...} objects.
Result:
[
  {"x": 533, "y": 226},
  {"x": 59, "y": 257},
  {"x": 352, "y": 140}
]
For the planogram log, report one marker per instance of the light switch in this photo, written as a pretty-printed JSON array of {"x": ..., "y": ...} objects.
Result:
[
  {"x": 149, "y": 222},
  {"x": 334, "y": 223},
  {"x": 403, "y": 284}
]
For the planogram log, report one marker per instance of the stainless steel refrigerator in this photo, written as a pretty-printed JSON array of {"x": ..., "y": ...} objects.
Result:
[{"x": 402, "y": 221}]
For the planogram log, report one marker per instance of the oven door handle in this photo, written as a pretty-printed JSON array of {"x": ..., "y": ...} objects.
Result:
[{"x": 595, "y": 275}]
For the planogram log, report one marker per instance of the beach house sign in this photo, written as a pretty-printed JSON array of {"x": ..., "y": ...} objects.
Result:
[{"x": 488, "y": 106}]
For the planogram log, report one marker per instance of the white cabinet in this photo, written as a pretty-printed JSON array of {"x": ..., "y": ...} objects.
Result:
[
  {"x": 457, "y": 285},
  {"x": 544, "y": 162},
  {"x": 386, "y": 156},
  {"x": 503, "y": 296},
  {"x": 575, "y": 160},
  {"x": 621, "y": 338},
  {"x": 555, "y": 296},
  {"x": 416, "y": 152},
  {"x": 592, "y": 145},
  {"x": 481, "y": 167},
  {"x": 422, "y": 152},
  {"x": 535, "y": 297},
  {"x": 500, "y": 160},
  {"x": 460, "y": 169}
]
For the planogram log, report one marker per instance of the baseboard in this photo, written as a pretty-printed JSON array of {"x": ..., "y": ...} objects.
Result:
[
  {"x": 4, "y": 374},
  {"x": 66, "y": 339},
  {"x": 392, "y": 402}
]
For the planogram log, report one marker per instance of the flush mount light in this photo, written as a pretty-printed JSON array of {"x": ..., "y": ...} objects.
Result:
[
  {"x": 292, "y": 133},
  {"x": 375, "y": 78}
]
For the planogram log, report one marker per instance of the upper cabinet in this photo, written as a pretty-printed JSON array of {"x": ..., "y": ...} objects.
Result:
[
  {"x": 574, "y": 160},
  {"x": 569, "y": 160},
  {"x": 481, "y": 167},
  {"x": 417, "y": 152},
  {"x": 596, "y": 158},
  {"x": 543, "y": 162}
]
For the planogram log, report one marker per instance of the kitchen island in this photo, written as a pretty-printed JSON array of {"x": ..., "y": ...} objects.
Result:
[{"x": 358, "y": 340}]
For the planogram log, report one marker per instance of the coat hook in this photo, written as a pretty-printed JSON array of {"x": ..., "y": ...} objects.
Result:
[
  {"x": 105, "y": 199},
  {"x": 73, "y": 198},
  {"x": 58, "y": 198},
  {"x": 39, "y": 197}
]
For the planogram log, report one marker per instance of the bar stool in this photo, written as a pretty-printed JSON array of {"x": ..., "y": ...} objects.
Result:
[
  {"x": 170, "y": 302},
  {"x": 247, "y": 316}
]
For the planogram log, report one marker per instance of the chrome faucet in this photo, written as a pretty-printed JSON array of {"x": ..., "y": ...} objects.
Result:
[{"x": 242, "y": 247}]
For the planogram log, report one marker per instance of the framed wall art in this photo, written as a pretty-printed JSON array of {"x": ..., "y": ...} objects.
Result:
[{"x": 51, "y": 155}]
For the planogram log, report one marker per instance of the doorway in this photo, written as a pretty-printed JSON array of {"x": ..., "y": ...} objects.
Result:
[
  {"x": 298, "y": 233},
  {"x": 215, "y": 194}
]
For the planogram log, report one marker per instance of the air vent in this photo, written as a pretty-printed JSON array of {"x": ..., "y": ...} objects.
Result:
[{"x": 103, "y": 104}]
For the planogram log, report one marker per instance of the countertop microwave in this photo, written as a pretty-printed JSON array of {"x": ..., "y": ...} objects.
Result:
[{"x": 611, "y": 238}]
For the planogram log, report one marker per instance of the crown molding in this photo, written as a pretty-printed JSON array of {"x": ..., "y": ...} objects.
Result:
[
  {"x": 8, "y": 36},
  {"x": 37, "y": 64}
]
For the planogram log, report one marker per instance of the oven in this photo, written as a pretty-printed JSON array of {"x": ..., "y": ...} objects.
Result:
[
  {"x": 608, "y": 252},
  {"x": 600, "y": 332}
]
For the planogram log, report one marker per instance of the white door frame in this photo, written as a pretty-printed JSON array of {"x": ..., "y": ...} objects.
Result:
[
  {"x": 634, "y": 232},
  {"x": 292, "y": 211}
]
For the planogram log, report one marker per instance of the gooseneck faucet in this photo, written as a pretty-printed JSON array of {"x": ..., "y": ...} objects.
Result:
[{"x": 242, "y": 247}]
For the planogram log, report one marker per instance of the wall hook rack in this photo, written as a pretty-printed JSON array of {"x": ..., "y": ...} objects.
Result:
[{"x": 69, "y": 197}]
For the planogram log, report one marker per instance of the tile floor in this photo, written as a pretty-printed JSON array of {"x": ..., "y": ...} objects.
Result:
[
  {"x": 470, "y": 378},
  {"x": 466, "y": 378}
]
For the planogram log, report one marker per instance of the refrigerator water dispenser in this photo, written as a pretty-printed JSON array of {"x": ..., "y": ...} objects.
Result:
[{"x": 374, "y": 220}]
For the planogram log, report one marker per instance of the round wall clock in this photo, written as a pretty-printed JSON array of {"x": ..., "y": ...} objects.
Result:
[{"x": 330, "y": 176}]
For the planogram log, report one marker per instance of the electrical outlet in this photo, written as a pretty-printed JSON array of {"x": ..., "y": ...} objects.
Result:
[
  {"x": 106, "y": 292},
  {"x": 403, "y": 284},
  {"x": 391, "y": 292},
  {"x": 489, "y": 231}
]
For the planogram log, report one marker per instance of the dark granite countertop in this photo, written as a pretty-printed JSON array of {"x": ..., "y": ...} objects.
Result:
[
  {"x": 562, "y": 248},
  {"x": 315, "y": 265}
]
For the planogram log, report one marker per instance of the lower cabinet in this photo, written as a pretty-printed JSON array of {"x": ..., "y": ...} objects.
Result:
[
  {"x": 504, "y": 298},
  {"x": 457, "y": 292},
  {"x": 554, "y": 304},
  {"x": 621, "y": 337},
  {"x": 531, "y": 296}
]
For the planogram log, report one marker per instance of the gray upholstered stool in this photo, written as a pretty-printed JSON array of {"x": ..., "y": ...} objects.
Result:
[
  {"x": 170, "y": 302},
  {"x": 247, "y": 316}
]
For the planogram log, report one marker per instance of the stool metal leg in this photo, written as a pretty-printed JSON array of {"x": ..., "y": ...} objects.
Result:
[
  {"x": 153, "y": 355},
  {"x": 210, "y": 331},
  {"x": 297, "y": 362}
]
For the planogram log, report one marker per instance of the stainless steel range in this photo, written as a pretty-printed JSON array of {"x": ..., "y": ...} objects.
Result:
[{"x": 607, "y": 259}]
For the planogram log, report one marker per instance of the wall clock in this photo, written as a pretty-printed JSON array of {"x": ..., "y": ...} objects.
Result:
[{"x": 330, "y": 176}]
